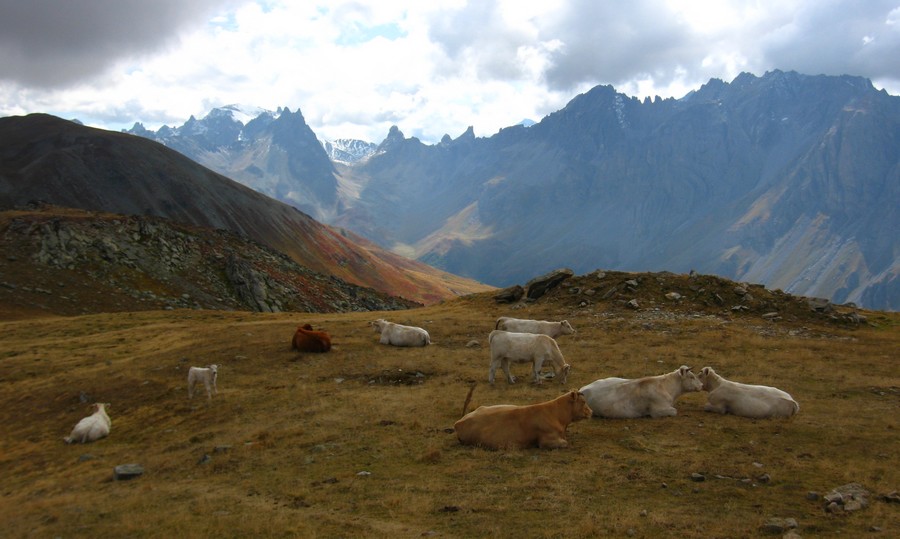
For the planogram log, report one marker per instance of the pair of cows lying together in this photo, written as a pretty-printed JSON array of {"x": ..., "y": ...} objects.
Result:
[{"x": 307, "y": 340}]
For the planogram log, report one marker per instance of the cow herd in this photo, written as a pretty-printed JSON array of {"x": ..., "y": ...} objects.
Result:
[{"x": 543, "y": 424}]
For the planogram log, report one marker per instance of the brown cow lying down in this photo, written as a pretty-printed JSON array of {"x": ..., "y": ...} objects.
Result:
[
  {"x": 506, "y": 426},
  {"x": 307, "y": 340}
]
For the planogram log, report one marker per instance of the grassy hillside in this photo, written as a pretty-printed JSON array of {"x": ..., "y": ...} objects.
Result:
[{"x": 355, "y": 443}]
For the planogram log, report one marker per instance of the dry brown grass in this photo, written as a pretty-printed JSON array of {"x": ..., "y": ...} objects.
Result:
[{"x": 294, "y": 432}]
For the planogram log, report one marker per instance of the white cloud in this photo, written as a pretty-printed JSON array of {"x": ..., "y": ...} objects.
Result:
[{"x": 354, "y": 68}]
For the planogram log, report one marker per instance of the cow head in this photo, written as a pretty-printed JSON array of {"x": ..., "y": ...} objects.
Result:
[
  {"x": 707, "y": 375},
  {"x": 564, "y": 373},
  {"x": 214, "y": 369},
  {"x": 378, "y": 325},
  {"x": 307, "y": 327},
  {"x": 689, "y": 380},
  {"x": 567, "y": 328},
  {"x": 580, "y": 408}
]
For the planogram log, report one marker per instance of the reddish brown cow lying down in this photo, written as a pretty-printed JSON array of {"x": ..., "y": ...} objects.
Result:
[
  {"x": 505, "y": 426},
  {"x": 307, "y": 340}
]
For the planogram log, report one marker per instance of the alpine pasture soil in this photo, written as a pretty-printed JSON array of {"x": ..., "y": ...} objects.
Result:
[{"x": 358, "y": 442}]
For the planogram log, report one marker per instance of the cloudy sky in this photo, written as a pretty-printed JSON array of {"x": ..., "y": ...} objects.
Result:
[{"x": 355, "y": 68}]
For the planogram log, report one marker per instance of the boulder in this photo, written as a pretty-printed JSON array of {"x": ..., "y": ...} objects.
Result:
[
  {"x": 510, "y": 295},
  {"x": 539, "y": 286}
]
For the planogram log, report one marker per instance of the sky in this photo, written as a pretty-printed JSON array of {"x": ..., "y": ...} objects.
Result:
[{"x": 354, "y": 68}]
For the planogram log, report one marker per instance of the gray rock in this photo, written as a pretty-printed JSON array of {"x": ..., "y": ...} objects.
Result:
[
  {"x": 779, "y": 525},
  {"x": 539, "y": 286},
  {"x": 510, "y": 295},
  {"x": 124, "y": 472}
]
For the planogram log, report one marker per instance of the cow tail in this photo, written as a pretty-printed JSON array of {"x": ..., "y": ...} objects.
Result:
[
  {"x": 497, "y": 324},
  {"x": 468, "y": 399}
]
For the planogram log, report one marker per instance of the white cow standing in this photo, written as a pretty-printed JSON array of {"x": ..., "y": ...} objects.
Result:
[
  {"x": 512, "y": 347},
  {"x": 544, "y": 327},
  {"x": 652, "y": 396},
  {"x": 745, "y": 400}
]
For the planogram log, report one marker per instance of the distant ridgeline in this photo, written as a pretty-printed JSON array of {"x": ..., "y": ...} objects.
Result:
[{"x": 788, "y": 180}]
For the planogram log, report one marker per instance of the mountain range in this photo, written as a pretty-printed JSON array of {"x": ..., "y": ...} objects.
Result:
[
  {"x": 50, "y": 160},
  {"x": 785, "y": 179}
]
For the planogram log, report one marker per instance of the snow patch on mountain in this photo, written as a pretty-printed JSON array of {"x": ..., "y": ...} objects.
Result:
[{"x": 348, "y": 151}]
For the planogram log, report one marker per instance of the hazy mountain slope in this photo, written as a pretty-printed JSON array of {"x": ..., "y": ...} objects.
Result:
[
  {"x": 275, "y": 153},
  {"x": 46, "y": 158},
  {"x": 785, "y": 179}
]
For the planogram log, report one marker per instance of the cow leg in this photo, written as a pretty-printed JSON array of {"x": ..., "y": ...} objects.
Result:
[
  {"x": 190, "y": 389},
  {"x": 663, "y": 411},
  {"x": 494, "y": 364},
  {"x": 538, "y": 363},
  {"x": 509, "y": 377},
  {"x": 710, "y": 407},
  {"x": 552, "y": 441}
]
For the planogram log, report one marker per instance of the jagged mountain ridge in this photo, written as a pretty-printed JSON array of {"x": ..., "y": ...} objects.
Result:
[
  {"x": 786, "y": 179},
  {"x": 60, "y": 162}
]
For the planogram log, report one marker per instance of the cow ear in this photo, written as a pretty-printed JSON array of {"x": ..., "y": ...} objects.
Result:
[{"x": 684, "y": 370}]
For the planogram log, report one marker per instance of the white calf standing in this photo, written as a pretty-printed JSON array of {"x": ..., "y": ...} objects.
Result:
[
  {"x": 207, "y": 375},
  {"x": 745, "y": 400},
  {"x": 92, "y": 427}
]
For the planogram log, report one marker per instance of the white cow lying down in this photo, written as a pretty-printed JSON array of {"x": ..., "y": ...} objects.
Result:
[
  {"x": 92, "y": 427},
  {"x": 745, "y": 400},
  {"x": 518, "y": 325},
  {"x": 400, "y": 335},
  {"x": 206, "y": 375},
  {"x": 652, "y": 396},
  {"x": 508, "y": 346}
]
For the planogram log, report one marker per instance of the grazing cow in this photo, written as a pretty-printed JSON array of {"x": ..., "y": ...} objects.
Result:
[
  {"x": 507, "y": 346},
  {"x": 745, "y": 400},
  {"x": 551, "y": 329},
  {"x": 652, "y": 396},
  {"x": 207, "y": 375},
  {"x": 307, "y": 340},
  {"x": 92, "y": 427},
  {"x": 506, "y": 426},
  {"x": 400, "y": 335}
]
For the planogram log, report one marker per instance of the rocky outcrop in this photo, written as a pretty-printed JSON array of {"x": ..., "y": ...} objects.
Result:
[{"x": 141, "y": 263}]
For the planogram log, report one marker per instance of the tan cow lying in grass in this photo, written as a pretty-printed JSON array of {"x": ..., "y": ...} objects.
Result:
[
  {"x": 519, "y": 325},
  {"x": 400, "y": 335},
  {"x": 745, "y": 400},
  {"x": 507, "y": 346},
  {"x": 92, "y": 427},
  {"x": 506, "y": 426},
  {"x": 652, "y": 396},
  {"x": 205, "y": 375}
]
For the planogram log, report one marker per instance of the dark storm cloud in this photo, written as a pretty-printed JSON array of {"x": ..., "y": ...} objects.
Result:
[{"x": 49, "y": 43}]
